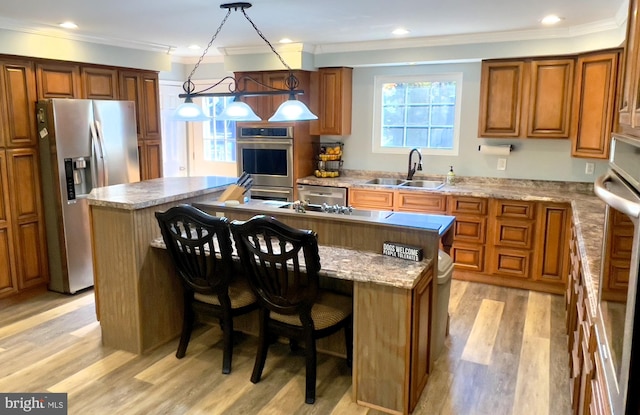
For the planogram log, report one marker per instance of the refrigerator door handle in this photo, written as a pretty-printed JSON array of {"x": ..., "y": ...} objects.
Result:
[
  {"x": 100, "y": 135},
  {"x": 98, "y": 157}
]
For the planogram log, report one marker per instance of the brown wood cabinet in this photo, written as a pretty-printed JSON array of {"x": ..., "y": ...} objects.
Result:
[
  {"x": 27, "y": 217},
  {"x": 629, "y": 100},
  {"x": 501, "y": 96},
  {"x": 594, "y": 104},
  {"x": 512, "y": 238},
  {"x": 8, "y": 275},
  {"x": 142, "y": 88},
  {"x": 17, "y": 99},
  {"x": 421, "y": 339},
  {"x": 588, "y": 390},
  {"x": 331, "y": 100},
  {"x": 552, "y": 243},
  {"x": 99, "y": 83},
  {"x": 58, "y": 80},
  {"x": 469, "y": 234},
  {"x": 371, "y": 199},
  {"x": 616, "y": 261},
  {"x": 526, "y": 98},
  {"x": 420, "y": 202},
  {"x": 150, "y": 154},
  {"x": 266, "y": 106}
]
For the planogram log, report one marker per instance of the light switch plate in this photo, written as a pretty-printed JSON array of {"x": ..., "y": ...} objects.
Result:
[{"x": 502, "y": 164}]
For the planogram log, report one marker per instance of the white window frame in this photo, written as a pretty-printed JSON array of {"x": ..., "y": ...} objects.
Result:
[{"x": 377, "y": 111}]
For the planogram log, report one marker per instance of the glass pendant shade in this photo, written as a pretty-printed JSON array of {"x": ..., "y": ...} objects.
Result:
[
  {"x": 238, "y": 111},
  {"x": 188, "y": 111},
  {"x": 292, "y": 110}
]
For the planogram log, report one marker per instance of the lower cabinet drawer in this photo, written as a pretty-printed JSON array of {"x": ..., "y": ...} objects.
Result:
[
  {"x": 468, "y": 256},
  {"x": 510, "y": 262}
]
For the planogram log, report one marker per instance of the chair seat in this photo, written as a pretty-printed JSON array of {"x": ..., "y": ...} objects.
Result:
[
  {"x": 328, "y": 310},
  {"x": 240, "y": 294}
]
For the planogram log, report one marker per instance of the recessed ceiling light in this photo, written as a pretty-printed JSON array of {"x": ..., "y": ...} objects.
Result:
[
  {"x": 285, "y": 40},
  {"x": 194, "y": 47},
  {"x": 68, "y": 25},
  {"x": 551, "y": 19},
  {"x": 400, "y": 31}
]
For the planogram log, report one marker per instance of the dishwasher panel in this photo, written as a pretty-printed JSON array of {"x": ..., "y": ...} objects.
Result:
[{"x": 317, "y": 195}]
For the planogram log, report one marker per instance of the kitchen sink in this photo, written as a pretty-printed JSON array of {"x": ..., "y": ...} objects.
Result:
[
  {"x": 383, "y": 181},
  {"x": 424, "y": 184}
]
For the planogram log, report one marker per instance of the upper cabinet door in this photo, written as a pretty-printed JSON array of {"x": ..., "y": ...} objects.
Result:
[
  {"x": 150, "y": 95},
  {"x": 593, "y": 105},
  {"x": 99, "y": 83},
  {"x": 627, "y": 102},
  {"x": 18, "y": 100},
  {"x": 549, "y": 108},
  {"x": 330, "y": 98},
  {"x": 142, "y": 88},
  {"x": 58, "y": 80},
  {"x": 501, "y": 96}
]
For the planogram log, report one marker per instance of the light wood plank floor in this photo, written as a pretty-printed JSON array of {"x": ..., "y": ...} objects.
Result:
[{"x": 506, "y": 354}]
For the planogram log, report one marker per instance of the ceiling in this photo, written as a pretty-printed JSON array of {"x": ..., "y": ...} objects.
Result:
[{"x": 326, "y": 24}]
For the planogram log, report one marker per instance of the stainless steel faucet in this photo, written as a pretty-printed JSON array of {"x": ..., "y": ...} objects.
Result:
[{"x": 412, "y": 170}]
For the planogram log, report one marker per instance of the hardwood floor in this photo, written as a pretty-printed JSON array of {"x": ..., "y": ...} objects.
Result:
[{"x": 506, "y": 354}]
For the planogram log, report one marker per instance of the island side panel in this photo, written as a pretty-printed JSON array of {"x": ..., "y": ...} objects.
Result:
[
  {"x": 115, "y": 264},
  {"x": 140, "y": 299},
  {"x": 381, "y": 355}
]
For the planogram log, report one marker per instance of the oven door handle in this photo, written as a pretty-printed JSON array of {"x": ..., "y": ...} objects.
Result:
[{"x": 628, "y": 206}]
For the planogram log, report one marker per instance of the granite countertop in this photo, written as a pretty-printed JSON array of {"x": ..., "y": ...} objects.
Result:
[
  {"x": 588, "y": 210},
  {"x": 514, "y": 189},
  {"x": 362, "y": 266},
  {"x": 139, "y": 195},
  {"x": 588, "y": 219}
]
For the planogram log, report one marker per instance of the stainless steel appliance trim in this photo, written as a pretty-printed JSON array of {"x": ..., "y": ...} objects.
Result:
[
  {"x": 261, "y": 131},
  {"x": 272, "y": 193},
  {"x": 323, "y": 194},
  {"x": 620, "y": 196},
  {"x": 261, "y": 144}
]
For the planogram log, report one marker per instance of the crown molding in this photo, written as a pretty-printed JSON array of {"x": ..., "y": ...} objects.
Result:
[
  {"x": 280, "y": 48},
  {"x": 475, "y": 38},
  {"x": 55, "y": 32}
]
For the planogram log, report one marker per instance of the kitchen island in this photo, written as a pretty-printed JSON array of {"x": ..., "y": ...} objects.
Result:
[{"x": 139, "y": 298}]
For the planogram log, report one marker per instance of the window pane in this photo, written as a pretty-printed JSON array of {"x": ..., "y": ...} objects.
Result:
[
  {"x": 393, "y": 115},
  {"x": 393, "y": 94},
  {"x": 393, "y": 137},
  {"x": 417, "y": 137},
  {"x": 442, "y": 115},
  {"x": 420, "y": 112},
  {"x": 419, "y": 93},
  {"x": 441, "y": 138},
  {"x": 219, "y": 135},
  {"x": 418, "y": 115}
]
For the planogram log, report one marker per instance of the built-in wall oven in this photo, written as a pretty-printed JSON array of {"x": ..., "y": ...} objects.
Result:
[
  {"x": 618, "y": 322},
  {"x": 267, "y": 154}
]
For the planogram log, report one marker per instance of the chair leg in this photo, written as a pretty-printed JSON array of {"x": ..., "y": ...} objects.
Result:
[
  {"x": 310, "y": 358},
  {"x": 187, "y": 326},
  {"x": 348, "y": 339},
  {"x": 263, "y": 347},
  {"x": 227, "y": 340}
]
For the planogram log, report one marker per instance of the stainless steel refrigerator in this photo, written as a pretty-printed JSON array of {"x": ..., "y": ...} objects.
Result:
[{"x": 83, "y": 144}]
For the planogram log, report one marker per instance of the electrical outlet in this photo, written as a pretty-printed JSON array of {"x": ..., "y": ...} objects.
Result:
[
  {"x": 502, "y": 164},
  {"x": 588, "y": 168}
]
